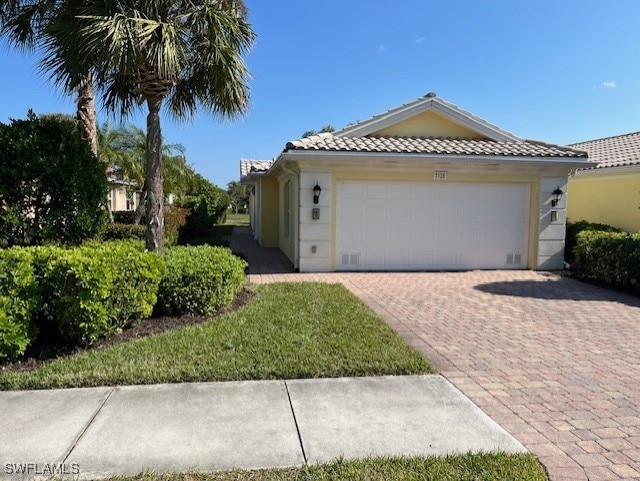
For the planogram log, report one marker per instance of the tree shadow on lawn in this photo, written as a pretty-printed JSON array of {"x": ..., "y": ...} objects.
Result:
[{"x": 562, "y": 288}]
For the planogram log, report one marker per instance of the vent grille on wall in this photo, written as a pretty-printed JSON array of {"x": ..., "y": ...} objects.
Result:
[
  {"x": 514, "y": 259},
  {"x": 350, "y": 259}
]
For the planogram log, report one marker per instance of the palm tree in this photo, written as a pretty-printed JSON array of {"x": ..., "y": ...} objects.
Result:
[
  {"x": 178, "y": 54},
  {"x": 23, "y": 23},
  {"x": 124, "y": 150}
]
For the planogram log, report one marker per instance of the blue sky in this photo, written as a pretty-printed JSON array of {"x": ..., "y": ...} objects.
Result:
[{"x": 557, "y": 71}]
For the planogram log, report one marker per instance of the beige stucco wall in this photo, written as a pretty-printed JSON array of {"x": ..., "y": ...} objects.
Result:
[
  {"x": 607, "y": 196},
  {"x": 269, "y": 203},
  {"x": 429, "y": 124}
]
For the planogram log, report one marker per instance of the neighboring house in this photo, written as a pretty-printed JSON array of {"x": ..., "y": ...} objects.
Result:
[
  {"x": 249, "y": 169},
  {"x": 425, "y": 186},
  {"x": 608, "y": 192},
  {"x": 121, "y": 194}
]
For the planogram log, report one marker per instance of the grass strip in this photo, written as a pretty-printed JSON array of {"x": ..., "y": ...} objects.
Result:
[
  {"x": 286, "y": 331},
  {"x": 462, "y": 467}
]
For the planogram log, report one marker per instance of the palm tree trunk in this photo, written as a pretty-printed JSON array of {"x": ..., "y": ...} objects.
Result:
[
  {"x": 141, "y": 205},
  {"x": 155, "y": 195},
  {"x": 86, "y": 113}
]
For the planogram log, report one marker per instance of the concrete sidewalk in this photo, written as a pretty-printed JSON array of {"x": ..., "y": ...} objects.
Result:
[{"x": 107, "y": 431}]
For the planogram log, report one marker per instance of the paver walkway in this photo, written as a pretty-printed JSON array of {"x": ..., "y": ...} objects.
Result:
[{"x": 555, "y": 361}]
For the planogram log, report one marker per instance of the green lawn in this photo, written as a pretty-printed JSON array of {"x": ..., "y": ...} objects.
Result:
[
  {"x": 237, "y": 219},
  {"x": 288, "y": 330},
  {"x": 468, "y": 467}
]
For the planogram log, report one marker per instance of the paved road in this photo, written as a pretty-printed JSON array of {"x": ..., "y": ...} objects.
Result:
[{"x": 555, "y": 361}]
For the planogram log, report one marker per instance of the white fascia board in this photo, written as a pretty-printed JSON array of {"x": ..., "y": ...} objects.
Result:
[
  {"x": 604, "y": 171},
  {"x": 300, "y": 155}
]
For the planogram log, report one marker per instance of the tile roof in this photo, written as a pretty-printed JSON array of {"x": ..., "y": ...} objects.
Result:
[
  {"x": 431, "y": 145},
  {"x": 618, "y": 151},
  {"x": 248, "y": 166}
]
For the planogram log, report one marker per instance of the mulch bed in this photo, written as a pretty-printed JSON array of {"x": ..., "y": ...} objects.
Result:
[{"x": 40, "y": 353}]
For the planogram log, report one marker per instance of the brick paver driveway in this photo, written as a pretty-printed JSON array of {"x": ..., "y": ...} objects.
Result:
[{"x": 556, "y": 362}]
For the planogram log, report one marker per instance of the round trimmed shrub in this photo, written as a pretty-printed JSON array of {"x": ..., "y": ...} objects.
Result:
[{"x": 199, "y": 280}]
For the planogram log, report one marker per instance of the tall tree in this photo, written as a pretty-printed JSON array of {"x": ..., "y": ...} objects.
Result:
[
  {"x": 178, "y": 54},
  {"x": 24, "y": 24}
]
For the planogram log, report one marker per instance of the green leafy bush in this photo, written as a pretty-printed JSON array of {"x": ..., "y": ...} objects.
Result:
[
  {"x": 99, "y": 288},
  {"x": 19, "y": 301},
  {"x": 124, "y": 216},
  {"x": 208, "y": 205},
  {"x": 52, "y": 187},
  {"x": 124, "y": 231},
  {"x": 175, "y": 219},
  {"x": 609, "y": 257},
  {"x": 574, "y": 228},
  {"x": 199, "y": 279}
]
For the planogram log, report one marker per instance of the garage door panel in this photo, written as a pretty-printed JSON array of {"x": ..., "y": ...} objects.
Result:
[
  {"x": 352, "y": 191},
  {"x": 375, "y": 212},
  {"x": 375, "y": 237},
  {"x": 352, "y": 237},
  {"x": 399, "y": 259},
  {"x": 423, "y": 191},
  {"x": 398, "y": 191},
  {"x": 375, "y": 259},
  {"x": 447, "y": 213},
  {"x": 432, "y": 225},
  {"x": 352, "y": 214},
  {"x": 376, "y": 191},
  {"x": 399, "y": 213},
  {"x": 399, "y": 237},
  {"x": 423, "y": 214}
]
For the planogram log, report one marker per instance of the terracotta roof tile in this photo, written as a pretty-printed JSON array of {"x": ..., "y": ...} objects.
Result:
[
  {"x": 618, "y": 151},
  {"x": 431, "y": 145}
]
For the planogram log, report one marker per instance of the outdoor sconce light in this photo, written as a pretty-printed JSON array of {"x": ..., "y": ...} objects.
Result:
[
  {"x": 556, "y": 195},
  {"x": 316, "y": 193}
]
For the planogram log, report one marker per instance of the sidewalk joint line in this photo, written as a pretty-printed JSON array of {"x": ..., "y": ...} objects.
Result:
[
  {"x": 89, "y": 423},
  {"x": 295, "y": 421}
]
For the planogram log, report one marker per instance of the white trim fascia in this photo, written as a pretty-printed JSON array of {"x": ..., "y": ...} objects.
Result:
[
  {"x": 426, "y": 104},
  {"x": 603, "y": 171},
  {"x": 451, "y": 158}
]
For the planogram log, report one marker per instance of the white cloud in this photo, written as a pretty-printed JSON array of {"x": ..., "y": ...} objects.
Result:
[
  {"x": 609, "y": 85},
  {"x": 381, "y": 48},
  {"x": 419, "y": 40}
]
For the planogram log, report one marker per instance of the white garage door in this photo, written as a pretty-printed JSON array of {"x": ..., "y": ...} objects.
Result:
[{"x": 431, "y": 226}]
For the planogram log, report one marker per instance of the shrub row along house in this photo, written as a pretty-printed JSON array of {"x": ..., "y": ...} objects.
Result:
[{"x": 425, "y": 186}]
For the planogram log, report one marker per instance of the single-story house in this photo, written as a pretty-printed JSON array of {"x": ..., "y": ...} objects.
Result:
[
  {"x": 608, "y": 190},
  {"x": 121, "y": 195},
  {"x": 424, "y": 186}
]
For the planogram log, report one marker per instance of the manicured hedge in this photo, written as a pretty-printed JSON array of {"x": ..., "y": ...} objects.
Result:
[
  {"x": 124, "y": 216},
  {"x": 199, "y": 279},
  {"x": 574, "y": 228},
  {"x": 99, "y": 288},
  {"x": 175, "y": 219},
  {"x": 609, "y": 257},
  {"x": 124, "y": 231},
  {"x": 19, "y": 301}
]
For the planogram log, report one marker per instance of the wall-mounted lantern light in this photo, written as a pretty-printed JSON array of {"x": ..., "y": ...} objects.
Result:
[
  {"x": 316, "y": 193},
  {"x": 556, "y": 195}
]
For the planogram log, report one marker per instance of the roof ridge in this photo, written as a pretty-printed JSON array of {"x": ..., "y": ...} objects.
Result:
[
  {"x": 606, "y": 138},
  {"x": 557, "y": 146}
]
